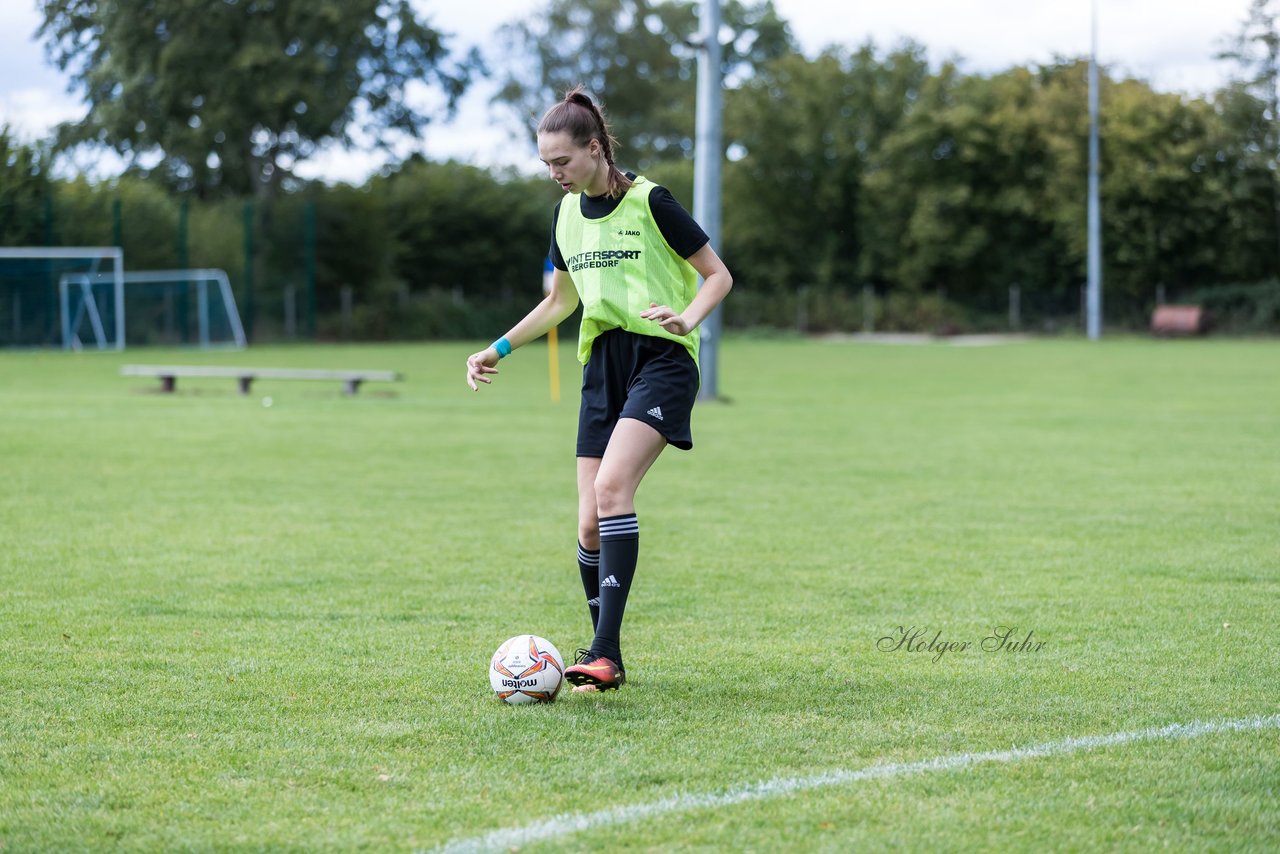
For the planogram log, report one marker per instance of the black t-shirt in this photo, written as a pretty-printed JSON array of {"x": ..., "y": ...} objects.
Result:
[{"x": 681, "y": 232}]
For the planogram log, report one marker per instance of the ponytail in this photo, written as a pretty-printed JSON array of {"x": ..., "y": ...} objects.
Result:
[{"x": 579, "y": 117}]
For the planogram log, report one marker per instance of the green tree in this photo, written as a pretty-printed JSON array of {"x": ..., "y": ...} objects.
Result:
[
  {"x": 460, "y": 227},
  {"x": 1170, "y": 211},
  {"x": 231, "y": 94},
  {"x": 986, "y": 188},
  {"x": 1167, "y": 194},
  {"x": 956, "y": 201},
  {"x": 1248, "y": 248},
  {"x": 636, "y": 56},
  {"x": 805, "y": 135},
  {"x": 868, "y": 167},
  {"x": 1256, "y": 52},
  {"x": 148, "y": 216},
  {"x": 25, "y": 191}
]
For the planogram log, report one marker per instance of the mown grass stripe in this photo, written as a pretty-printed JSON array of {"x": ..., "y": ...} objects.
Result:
[{"x": 569, "y": 823}]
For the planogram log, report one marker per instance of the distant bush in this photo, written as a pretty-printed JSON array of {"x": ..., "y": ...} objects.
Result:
[
  {"x": 435, "y": 314},
  {"x": 1241, "y": 308},
  {"x": 817, "y": 310}
]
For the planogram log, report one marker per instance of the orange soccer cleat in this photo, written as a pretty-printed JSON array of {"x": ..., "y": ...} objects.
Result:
[{"x": 598, "y": 674}]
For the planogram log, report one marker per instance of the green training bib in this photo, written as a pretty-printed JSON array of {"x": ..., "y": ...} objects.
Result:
[{"x": 620, "y": 264}]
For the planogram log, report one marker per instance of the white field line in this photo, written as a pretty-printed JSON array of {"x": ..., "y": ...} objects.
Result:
[{"x": 507, "y": 839}]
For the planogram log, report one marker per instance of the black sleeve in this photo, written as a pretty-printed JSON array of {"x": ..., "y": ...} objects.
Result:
[
  {"x": 681, "y": 232},
  {"x": 556, "y": 258}
]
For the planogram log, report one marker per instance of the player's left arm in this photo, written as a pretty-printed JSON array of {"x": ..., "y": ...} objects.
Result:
[
  {"x": 557, "y": 305},
  {"x": 716, "y": 284}
]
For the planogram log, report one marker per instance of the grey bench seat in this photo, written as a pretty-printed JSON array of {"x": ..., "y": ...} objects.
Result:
[{"x": 168, "y": 375}]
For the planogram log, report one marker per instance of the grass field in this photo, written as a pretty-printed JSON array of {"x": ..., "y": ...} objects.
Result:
[{"x": 225, "y": 626}]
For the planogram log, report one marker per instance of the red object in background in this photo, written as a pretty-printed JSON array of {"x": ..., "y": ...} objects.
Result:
[{"x": 1179, "y": 320}]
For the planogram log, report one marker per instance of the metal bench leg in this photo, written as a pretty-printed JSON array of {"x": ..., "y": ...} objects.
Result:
[
  {"x": 245, "y": 382},
  {"x": 353, "y": 386},
  {"x": 167, "y": 384}
]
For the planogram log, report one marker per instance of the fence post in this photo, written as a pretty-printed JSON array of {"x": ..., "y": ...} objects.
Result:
[
  {"x": 290, "y": 312},
  {"x": 1160, "y": 294},
  {"x": 248, "y": 270},
  {"x": 802, "y": 309},
  {"x": 170, "y": 328},
  {"x": 1015, "y": 307},
  {"x": 347, "y": 298},
  {"x": 309, "y": 241},
  {"x": 868, "y": 308},
  {"x": 184, "y": 247},
  {"x": 184, "y": 263},
  {"x": 51, "y": 292}
]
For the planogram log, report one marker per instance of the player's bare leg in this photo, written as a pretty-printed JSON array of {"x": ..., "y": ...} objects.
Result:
[
  {"x": 588, "y": 540},
  {"x": 632, "y": 450}
]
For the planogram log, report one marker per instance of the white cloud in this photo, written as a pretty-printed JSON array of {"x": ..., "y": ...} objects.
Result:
[
  {"x": 1170, "y": 42},
  {"x": 31, "y": 112}
]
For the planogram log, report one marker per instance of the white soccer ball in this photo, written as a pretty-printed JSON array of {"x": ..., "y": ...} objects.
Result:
[{"x": 526, "y": 669}]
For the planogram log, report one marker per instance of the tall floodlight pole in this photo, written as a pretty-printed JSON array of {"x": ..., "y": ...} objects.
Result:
[
  {"x": 706, "y": 177},
  {"x": 1094, "y": 322}
]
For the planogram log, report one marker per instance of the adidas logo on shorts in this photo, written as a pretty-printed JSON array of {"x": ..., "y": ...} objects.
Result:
[{"x": 656, "y": 412}]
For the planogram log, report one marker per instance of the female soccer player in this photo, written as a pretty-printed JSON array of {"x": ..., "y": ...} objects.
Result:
[{"x": 625, "y": 248}]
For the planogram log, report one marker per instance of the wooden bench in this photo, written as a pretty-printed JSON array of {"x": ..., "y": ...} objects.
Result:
[{"x": 169, "y": 374}]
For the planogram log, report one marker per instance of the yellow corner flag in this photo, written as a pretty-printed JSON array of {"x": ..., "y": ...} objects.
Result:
[
  {"x": 553, "y": 350},
  {"x": 553, "y": 335}
]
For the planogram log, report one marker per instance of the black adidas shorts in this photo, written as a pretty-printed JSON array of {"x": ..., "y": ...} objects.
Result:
[{"x": 644, "y": 377}]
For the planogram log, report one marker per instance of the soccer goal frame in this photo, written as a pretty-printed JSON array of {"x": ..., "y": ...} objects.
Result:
[
  {"x": 200, "y": 277},
  {"x": 94, "y": 254}
]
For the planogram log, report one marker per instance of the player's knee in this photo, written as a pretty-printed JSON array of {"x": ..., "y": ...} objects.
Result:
[
  {"x": 589, "y": 533},
  {"x": 613, "y": 496}
]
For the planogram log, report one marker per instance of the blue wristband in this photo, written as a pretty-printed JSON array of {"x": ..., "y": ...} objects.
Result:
[{"x": 503, "y": 346}]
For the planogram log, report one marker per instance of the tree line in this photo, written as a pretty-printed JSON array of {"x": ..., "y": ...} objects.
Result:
[{"x": 859, "y": 171}]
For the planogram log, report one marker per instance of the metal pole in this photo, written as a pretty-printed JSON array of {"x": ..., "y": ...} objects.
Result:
[
  {"x": 309, "y": 249},
  {"x": 202, "y": 311},
  {"x": 290, "y": 312},
  {"x": 184, "y": 262},
  {"x": 117, "y": 222},
  {"x": 706, "y": 177},
  {"x": 117, "y": 276},
  {"x": 51, "y": 292},
  {"x": 348, "y": 298},
  {"x": 248, "y": 269},
  {"x": 64, "y": 306},
  {"x": 1094, "y": 322}
]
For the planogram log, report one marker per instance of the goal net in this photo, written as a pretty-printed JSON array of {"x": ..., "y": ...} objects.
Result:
[
  {"x": 83, "y": 298},
  {"x": 31, "y": 309},
  {"x": 161, "y": 307}
]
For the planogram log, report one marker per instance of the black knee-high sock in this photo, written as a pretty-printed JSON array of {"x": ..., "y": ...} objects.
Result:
[
  {"x": 589, "y": 567},
  {"x": 619, "y": 548}
]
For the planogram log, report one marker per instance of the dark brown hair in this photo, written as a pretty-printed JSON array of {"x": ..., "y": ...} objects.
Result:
[{"x": 579, "y": 117}]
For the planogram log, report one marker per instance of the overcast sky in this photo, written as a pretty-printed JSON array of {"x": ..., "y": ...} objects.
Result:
[{"x": 1171, "y": 43}]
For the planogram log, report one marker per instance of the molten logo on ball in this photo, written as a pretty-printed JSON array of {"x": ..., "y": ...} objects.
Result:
[{"x": 526, "y": 669}]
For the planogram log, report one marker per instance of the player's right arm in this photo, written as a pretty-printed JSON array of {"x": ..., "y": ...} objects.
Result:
[{"x": 551, "y": 312}]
